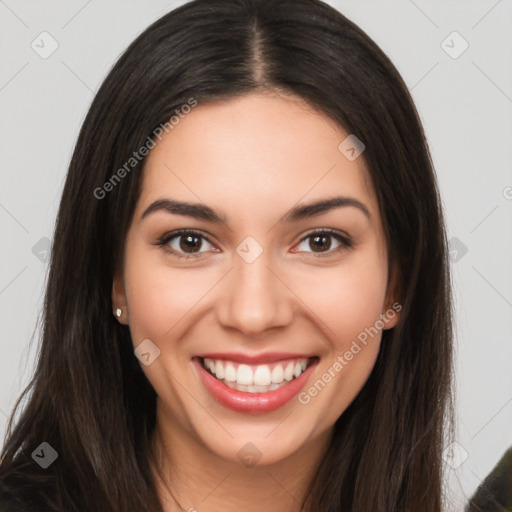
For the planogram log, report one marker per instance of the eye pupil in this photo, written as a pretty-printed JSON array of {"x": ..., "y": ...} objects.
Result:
[
  {"x": 324, "y": 242},
  {"x": 190, "y": 242}
]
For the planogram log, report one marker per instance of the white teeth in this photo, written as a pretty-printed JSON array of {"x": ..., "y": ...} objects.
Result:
[
  {"x": 209, "y": 363},
  {"x": 262, "y": 376},
  {"x": 278, "y": 374},
  {"x": 219, "y": 370},
  {"x": 256, "y": 378},
  {"x": 257, "y": 389},
  {"x": 253, "y": 389},
  {"x": 288, "y": 373},
  {"x": 244, "y": 375},
  {"x": 229, "y": 373}
]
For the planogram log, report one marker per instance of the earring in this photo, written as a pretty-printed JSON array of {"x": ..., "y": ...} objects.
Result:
[{"x": 118, "y": 312}]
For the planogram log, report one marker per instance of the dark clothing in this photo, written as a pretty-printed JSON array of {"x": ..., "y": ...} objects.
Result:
[{"x": 495, "y": 493}]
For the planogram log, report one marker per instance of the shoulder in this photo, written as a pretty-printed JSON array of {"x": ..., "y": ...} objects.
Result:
[{"x": 495, "y": 493}]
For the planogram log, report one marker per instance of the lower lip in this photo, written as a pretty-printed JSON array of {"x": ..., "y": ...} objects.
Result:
[{"x": 253, "y": 403}]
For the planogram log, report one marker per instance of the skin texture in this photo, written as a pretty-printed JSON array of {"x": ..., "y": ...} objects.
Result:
[{"x": 252, "y": 158}]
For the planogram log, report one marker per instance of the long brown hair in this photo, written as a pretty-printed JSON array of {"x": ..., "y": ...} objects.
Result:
[{"x": 89, "y": 398}]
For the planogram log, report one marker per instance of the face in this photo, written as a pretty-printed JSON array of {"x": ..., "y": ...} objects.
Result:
[{"x": 260, "y": 320}]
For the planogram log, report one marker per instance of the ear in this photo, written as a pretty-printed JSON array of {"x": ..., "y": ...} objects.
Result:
[
  {"x": 119, "y": 299},
  {"x": 393, "y": 302}
]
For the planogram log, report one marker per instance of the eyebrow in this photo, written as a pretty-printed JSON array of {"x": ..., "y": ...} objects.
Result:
[{"x": 303, "y": 211}]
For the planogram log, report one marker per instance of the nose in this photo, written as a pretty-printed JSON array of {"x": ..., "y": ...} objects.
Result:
[{"x": 255, "y": 298}]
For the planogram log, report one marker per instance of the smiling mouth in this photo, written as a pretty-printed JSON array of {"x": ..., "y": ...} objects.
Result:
[{"x": 260, "y": 378}]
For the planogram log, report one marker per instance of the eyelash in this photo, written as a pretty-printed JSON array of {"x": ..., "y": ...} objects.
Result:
[{"x": 345, "y": 241}]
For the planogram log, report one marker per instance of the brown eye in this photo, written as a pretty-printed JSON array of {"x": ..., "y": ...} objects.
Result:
[
  {"x": 321, "y": 242},
  {"x": 185, "y": 243},
  {"x": 189, "y": 243}
]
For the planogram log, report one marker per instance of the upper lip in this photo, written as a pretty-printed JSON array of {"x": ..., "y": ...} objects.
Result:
[{"x": 267, "y": 357}]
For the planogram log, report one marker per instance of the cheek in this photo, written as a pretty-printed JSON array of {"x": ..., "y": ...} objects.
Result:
[
  {"x": 349, "y": 301},
  {"x": 159, "y": 296},
  {"x": 351, "y": 305},
  {"x": 348, "y": 298}
]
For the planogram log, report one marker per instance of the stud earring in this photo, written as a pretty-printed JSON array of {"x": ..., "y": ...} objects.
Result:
[{"x": 118, "y": 312}]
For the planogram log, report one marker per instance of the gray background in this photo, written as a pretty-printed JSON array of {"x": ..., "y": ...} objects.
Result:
[{"x": 465, "y": 104}]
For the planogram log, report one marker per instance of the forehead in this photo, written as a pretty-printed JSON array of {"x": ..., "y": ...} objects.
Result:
[{"x": 255, "y": 150}]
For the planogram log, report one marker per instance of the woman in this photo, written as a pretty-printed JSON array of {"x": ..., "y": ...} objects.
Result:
[{"x": 248, "y": 304}]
